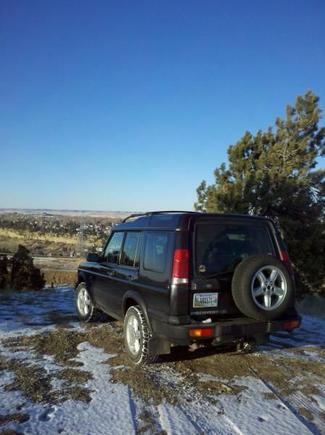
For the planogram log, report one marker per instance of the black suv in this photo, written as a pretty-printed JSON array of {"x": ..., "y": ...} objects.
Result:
[{"x": 178, "y": 278}]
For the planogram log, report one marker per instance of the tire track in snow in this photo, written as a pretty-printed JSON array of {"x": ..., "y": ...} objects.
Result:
[
  {"x": 233, "y": 425},
  {"x": 225, "y": 424},
  {"x": 133, "y": 410},
  {"x": 197, "y": 426},
  {"x": 199, "y": 417},
  {"x": 196, "y": 419},
  {"x": 311, "y": 428},
  {"x": 175, "y": 422},
  {"x": 309, "y": 404},
  {"x": 146, "y": 418}
]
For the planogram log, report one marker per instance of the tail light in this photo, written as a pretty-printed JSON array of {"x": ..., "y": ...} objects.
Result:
[
  {"x": 290, "y": 325},
  {"x": 201, "y": 332},
  {"x": 180, "y": 273},
  {"x": 284, "y": 257}
]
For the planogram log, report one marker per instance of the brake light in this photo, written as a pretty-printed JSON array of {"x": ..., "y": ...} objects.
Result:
[
  {"x": 290, "y": 325},
  {"x": 180, "y": 273},
  {"x": 201, "y": 332},
  {"x": 284, "y": 257}
]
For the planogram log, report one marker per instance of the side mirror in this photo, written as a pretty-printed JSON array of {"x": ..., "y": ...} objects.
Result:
[{"x": 93, "y": 257}]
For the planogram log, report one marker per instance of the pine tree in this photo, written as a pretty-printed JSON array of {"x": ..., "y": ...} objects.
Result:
[
  {"x": 4, "y": 274},
  {"x": 274, "y": 173},
  {"x": 24, "y": 275}
]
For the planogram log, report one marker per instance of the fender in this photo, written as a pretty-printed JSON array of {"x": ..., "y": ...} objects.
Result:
[
  {"x": 132, "y": 294},
  {"x": 87, "y": 279},
  {"x": 157, "y": 344},
  {"x": 80, "y": 278}
]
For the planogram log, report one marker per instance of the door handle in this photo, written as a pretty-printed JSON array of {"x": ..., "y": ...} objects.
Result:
[
  {"x": 111, "y": 273},
  {"x": 132, "y": 277}
]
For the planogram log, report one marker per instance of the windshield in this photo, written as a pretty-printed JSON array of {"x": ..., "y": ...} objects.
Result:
[{"x": 220, "y": 247}]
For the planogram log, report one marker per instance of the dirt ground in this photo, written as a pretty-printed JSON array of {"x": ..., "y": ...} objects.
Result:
[{"x": 289, "y": 368}]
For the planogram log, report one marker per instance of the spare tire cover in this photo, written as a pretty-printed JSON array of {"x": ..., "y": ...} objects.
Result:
[{"x": 262, "y": 288}]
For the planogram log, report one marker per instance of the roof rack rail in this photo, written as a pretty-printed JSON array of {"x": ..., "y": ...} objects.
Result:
[{"x": 151, "y": 213}]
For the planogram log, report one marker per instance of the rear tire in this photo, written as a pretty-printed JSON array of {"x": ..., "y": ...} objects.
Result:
[
  {"x": 262, "y": 287},
  {"x": 137, "y": 334},
  {"x": 86, "y": 310}
]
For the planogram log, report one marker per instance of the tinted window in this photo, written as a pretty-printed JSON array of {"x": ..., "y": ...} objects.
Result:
[
  {"x": 220, "y": 247},
  {"x": 155, "y": 257},
  {"x": 130, "y": 252},
  {"x": 112, "y": 251}
]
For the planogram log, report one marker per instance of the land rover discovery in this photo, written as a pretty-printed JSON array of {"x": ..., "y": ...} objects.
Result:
[{"x": 184, "y": 278}]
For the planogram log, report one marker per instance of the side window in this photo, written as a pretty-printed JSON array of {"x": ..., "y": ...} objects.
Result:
[
  {"x": 155, "y": 257},
  {"x": 130, "y": 254},
  {"x": 112, "y": 250}
]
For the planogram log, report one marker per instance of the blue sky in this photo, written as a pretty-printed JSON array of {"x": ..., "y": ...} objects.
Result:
[{"x": 128, "y": 105}]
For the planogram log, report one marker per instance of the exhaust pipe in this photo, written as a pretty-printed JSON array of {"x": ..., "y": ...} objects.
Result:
[{"x": 245, "y": 346}]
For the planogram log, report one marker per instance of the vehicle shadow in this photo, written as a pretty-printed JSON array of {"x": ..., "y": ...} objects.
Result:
[
  {"x": 182, "y": 353},
  {"x": 310, "y": 336}
]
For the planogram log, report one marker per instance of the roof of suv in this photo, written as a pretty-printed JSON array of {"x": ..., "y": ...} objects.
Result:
[{"x": 176, "y": 220}]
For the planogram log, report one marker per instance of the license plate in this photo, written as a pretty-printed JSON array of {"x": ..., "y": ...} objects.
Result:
[{"x": 205, "y": 300}]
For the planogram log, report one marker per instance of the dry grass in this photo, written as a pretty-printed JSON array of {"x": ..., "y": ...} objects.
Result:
[
  {"x": 41, "y": 244},
  {"x": 34, "y": 381},
  {"x": 59, "y": 277},
  {"x": 148, "y": 425},
  {"x": 28, "y": 236},
  {"x": 42, "y": 247},
  {"x": 61, "y": 344},
  {"x": 287, "y": 374},
  {"x": 31, "y": 380},
  {"x": 13, "y": 418}
]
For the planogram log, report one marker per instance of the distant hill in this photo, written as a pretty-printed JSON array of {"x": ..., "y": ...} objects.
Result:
[{"x": 89, "y": 213}]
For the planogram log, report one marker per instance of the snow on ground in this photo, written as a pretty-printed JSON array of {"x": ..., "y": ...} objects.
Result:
[
  {"x": 27, "y": 312},
  {"x": 256, "y": 400},
  {"x": 105, "y": 413}
]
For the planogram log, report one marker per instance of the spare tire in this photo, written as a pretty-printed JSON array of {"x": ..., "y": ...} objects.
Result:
[{"x": 262, "y": 287}]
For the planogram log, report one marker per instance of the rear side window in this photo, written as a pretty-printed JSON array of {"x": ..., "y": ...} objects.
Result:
[
  {"x": 220, "y": 247},
  {"x": 156, "y": 248},
  {"x": 130, "y": 253},
  {"x": 113, "y": 249}
]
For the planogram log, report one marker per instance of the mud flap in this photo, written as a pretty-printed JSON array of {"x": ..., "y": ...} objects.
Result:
[{"x": 158, "y": 346}]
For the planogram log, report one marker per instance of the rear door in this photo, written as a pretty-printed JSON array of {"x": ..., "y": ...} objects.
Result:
[
  {"x": 155, "y": 269},
  {"x": 219, "y": 245}
]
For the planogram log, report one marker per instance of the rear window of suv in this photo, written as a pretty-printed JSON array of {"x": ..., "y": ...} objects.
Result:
[
  {"x": 220, "y": 246},
  {"x": 155, "y": 257}
]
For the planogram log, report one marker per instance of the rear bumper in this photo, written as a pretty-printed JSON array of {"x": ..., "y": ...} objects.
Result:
[{"x": 225, "y": 331}]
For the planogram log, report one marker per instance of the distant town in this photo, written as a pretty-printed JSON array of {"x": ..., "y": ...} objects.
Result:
[{"x": 59, "y": 233}]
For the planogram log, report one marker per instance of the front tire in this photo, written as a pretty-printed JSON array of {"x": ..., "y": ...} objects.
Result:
[
  {"x": 137, "y": 334},
  {"x": 86, "y": 310}
]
